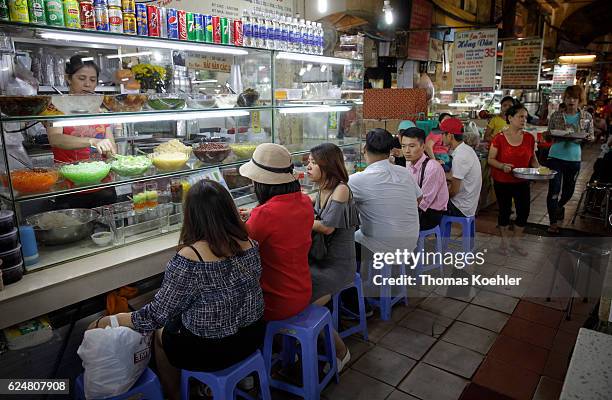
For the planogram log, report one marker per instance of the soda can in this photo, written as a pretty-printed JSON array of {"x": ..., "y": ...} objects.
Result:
[
  {"x": 198, "y": 22},
  {"x": 142, "y": 20},
  {"x": 153, "y": 20},
  {"x": 115, "y": 20},
  {"x": 71, "y": 14},
  {"x": 18, "y": 10},
  {"x": 182, "y": 24},
  {"x": 101, "y": 14},
  {"x": 208, "y": 29},
  {"x": 191, "y": 31},
  {"x": 128, "y": 6},
  {"x": 230, "y": 31},
  {"x": 216, "y": 29},
  {"x": 36, "y": 10},
  {"x": 100, "y": 3},
  {"x": 55, "y": 12},
  {"x": 129, "y": 23},
  {"x": 4, "y": 11},
  {"x": 88, "y": 15},
  {"x": 224, "y": 28},
  {"x": 113, "y": 3},
  {"x": 238, "y": 33},
  {"x": 172, "y": 23},
  {"x": 163, "y": 28}
]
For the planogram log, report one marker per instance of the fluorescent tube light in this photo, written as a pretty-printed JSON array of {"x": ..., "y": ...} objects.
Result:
[
  {"x": 578, "y": 59},
  {"x": 312, "y": 58},
  {"x": 142, "y": 53},
  {"x": 446, "y": 92},
  {"x": 125, "y": 119},
  {"x": 141, "y": 42},
  {"x": 313, "y": 109},
  {"x": 85, "y": 59}
]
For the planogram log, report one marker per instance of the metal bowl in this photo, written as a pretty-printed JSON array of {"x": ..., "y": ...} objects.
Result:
[
  {"x": 64, "y": 234},
  {"x": 533, "y": 174}
]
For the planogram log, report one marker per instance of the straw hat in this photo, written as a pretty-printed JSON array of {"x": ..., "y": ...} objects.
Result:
[{"x": 271, "y": 164}]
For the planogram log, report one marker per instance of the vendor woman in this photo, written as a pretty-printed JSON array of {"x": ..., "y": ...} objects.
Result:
[{"x": 78, "y": 143}]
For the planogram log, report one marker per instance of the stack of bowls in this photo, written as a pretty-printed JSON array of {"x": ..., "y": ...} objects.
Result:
[{"x": 10, "y": 249}]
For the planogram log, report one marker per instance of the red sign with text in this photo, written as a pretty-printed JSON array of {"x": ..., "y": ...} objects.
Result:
[{"x": 421, "y": 14}]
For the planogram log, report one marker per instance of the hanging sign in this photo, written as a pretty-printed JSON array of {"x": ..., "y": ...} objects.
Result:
[
  {"x": 231, "y": 8},
  {"x": 475, "y": 57},
  {"x": 563, "y": 76},
  {"x": 421, "y": 13},
  {"x": 521, "y": 64}
]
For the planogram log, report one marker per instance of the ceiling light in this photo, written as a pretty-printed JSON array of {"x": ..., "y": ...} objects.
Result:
[
  {"x": 143, "y": 53},
  {"x": 322, "y": 6},
  {"x": 147, "y": 117},
  {"x": 312, "y": 58},
  {"x": 141, "y": 42},
  {"x": 323, "y": 67},
  {"x": 578, "y": 59},
  {"x": 308, "y": 67},
  {"x": 85, "y": 59},
  {"x": 388, "y": 11},
  {"x": 313, "y": 109}
]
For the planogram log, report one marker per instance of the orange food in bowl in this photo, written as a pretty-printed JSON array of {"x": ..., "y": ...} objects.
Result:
[{"x": 33, "y": 181}]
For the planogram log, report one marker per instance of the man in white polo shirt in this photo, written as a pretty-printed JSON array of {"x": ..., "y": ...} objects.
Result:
[{"x": 466, "y": 181}]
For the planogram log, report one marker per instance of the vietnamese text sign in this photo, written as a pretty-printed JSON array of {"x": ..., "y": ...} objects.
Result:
[
  {"x": 563, "y": 76},
  {"x": 521, "y": 64},
  {"x": 475, "y": 56},
  {"x": 230, "y": 8},
  {"x": 421, "y": 13}
]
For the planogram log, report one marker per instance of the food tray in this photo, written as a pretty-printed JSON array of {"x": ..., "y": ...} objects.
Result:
[
  {"x": 533, "y": 174},
  {"x": 568, "y": 135}
]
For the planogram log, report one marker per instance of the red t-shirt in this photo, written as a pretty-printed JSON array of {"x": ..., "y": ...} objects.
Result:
[
  {"x": 90, "y": 131},
  {"x": 519, "y": 156},
  {"x": 282, "y": 227}
]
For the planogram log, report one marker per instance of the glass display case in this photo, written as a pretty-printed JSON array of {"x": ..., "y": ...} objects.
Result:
[{"x": 175, "y": 111}]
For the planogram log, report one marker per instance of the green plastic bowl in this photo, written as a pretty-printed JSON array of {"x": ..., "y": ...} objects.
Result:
[{"x": 85, "y": 173}]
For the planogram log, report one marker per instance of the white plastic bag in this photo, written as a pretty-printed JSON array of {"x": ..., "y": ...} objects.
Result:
[
  {"x": 113, "y": 358},
  {"x": 471, "y": 134}
]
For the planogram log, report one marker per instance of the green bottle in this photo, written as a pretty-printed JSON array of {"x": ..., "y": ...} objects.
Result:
[
  {"x": 4, "y": 11},
  {"x": 37, "y": 12},
  {"x": 55, "y": 12}
]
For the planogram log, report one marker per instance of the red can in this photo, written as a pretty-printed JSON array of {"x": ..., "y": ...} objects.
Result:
[
  {"x": 87, "y": 14},
  {"x": 154, "y": 20},
  {"x": 238, "y": 36},
  {"x": 182, "y": 24},
  {"x": 216, "y": 25}
]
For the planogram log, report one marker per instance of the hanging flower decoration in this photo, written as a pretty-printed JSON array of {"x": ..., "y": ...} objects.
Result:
[{"x": 151, "y": 77}]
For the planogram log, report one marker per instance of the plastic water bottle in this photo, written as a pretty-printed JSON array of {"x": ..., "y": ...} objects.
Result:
[
  {"x": 303, "y": 36},
  {"x": 312, "y": 38},
  {"x": 263, "y": 32},
  {"x": 247, "y": 29},
  {"x": 284, "y": 33},
  {"x": 254, "y": 30},
  {"x": 295, "y": 35},
  {"x": 321, "y": 38},
  {"x": 270, "y": 38},
  {"x": 277, "y": 32}
]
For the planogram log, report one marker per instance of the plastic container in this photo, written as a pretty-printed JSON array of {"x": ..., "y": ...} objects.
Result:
[
  {"x": 6, "y": 221},
  {"x": 12, "y": 274},
  {"x": 11, "y": 258},
  {"x": 9, "y": 240}
]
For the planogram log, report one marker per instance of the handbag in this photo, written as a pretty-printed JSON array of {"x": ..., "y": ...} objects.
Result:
[{"x": 320, "y": 241}]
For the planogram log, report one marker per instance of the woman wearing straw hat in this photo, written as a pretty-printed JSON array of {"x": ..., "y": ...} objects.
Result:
[{"x": 281, "y": 224}]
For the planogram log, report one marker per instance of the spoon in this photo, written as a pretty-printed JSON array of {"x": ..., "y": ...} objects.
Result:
[{"x": 57, "y": 90}]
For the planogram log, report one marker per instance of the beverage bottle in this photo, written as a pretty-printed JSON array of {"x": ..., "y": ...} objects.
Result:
[
  {"x": 254, "y": 29},
  {"x": 270, "y": 35},
  {"x": 284, "y": 40},
  {"x": 263, "y": 31},
  {"x": 312, "y": 47},
  {"x": 247, "y": 28},
  {"x": 37, "y": 12},
  {"x": 295, "y": 35},
  {"x": 303, "y": 37},
  {"x": 72, "y": 17},
  {"x": 321, "y": 38}
]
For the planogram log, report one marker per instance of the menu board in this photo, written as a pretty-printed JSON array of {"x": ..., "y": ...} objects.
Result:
[
  {"x": 563, "y": 76},
  {"x": 421, "y": 13},
  {"x": 231, "y": 8},
  {"x": 521, "y": 64},
  {"x": 474, "y": 61}
]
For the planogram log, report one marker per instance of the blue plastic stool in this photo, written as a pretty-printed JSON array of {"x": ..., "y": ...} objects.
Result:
[
  {"x": 223, "y": 383},
  {"x": 146, "y": 387},
  {"x": 468, "y": 232},
  {"x": 305, "y": 329},
  {"x": 386, "y": 300},
  {"x": 338, "y": 310},
  {"x": 421, "y": 247}
]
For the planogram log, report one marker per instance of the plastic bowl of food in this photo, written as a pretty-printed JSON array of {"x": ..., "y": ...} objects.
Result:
[
  {"x": 78, "y": 103},
  {"x": 173, "y": 146},
  {"x": 22, "y": 106},
  {"x": 166, "y": 102},
  {"x": 169, "y": 161},
  {"x": 226, "y": 100},
  {"x": 130, "y": 165},
  {"x": 85, "y": 173},
  {"x": 211, "y": 152},
  {"x": 200, "y": 101},
  {"x": 35, "y": 180},
  {"x": 125, "y": 102},
  {"x": 243, "y": 150},
  {"x": 102, "y": 238}
]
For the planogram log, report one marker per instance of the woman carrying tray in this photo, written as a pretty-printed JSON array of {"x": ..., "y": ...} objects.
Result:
[{"x": 565, "y": 155}]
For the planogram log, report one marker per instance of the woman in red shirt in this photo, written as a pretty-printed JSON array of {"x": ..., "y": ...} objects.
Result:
[
  {"x": 513, "y": 148},
  {"x": 281, "y": 224}
]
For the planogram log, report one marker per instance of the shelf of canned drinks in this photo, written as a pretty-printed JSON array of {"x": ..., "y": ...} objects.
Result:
[{"x": 255, "y": 30}]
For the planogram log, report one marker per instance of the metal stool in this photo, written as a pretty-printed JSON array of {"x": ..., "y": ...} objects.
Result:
[
  {"x": 596, "y": 198},
  {"x": 583, "y": 252}
]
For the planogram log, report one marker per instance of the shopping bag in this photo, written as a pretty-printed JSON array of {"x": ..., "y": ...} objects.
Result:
[{"x": 113, "y": 359}]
